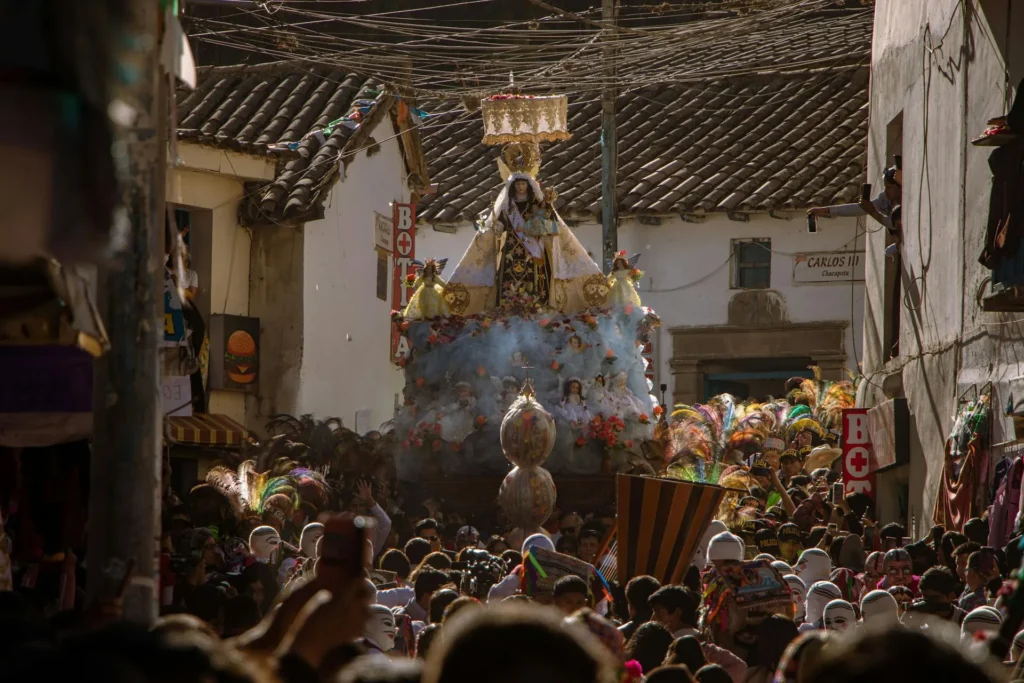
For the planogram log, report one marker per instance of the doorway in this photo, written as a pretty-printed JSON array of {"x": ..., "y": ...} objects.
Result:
[{"x": 758, "y": 386}]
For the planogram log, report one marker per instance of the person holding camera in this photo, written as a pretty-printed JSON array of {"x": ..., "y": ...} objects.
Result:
[{"x": 879, "y": 208}]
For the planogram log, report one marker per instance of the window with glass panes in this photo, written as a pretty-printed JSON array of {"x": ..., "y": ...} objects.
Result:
[{"x": 752, "y": 264}]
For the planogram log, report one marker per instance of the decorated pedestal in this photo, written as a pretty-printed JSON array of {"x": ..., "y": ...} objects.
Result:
[{"x": 660, "y": 523}]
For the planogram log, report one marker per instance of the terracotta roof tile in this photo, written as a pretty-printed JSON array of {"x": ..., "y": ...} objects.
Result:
[
  {"x": 773, "y": 119},
  {"x": 250, "y": 108}
]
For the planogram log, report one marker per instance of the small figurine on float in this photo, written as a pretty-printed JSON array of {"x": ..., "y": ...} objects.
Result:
[
  {"x": 622, "y": 280},
  {"x": 598, "y": 397},
  {"x": 457, "y": 418},
  {"x": 428, "y": 300},
  {"x": 507, "y": 392},
  {"x": 625, "y": 402},
  {"x": 573, "y": 406}
]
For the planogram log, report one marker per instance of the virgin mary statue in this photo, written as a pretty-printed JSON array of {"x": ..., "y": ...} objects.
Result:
[{"x": 525, "y": 259}]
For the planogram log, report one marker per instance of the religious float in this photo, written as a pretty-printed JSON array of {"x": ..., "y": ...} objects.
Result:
[{"x": 525, "y": 306}]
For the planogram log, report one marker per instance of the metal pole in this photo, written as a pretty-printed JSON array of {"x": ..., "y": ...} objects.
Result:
[
  {"x": 609, "y": 141},
  {"x": 124, "y": 500}
]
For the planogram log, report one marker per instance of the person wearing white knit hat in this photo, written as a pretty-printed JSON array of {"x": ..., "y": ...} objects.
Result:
[
  {"x": 783, "y": 568},
  {"x": 700, "y": 558},
  {"x": 839, "y": 615},
  {"x": 818, "y": 595},
  {"x": 814, "y": 565},
  {"x": 878, "y": 609},
  {"x": 725, "y": 547},
  {"x": 799, "y": 589},
  {"x": 983, "y": 619}
]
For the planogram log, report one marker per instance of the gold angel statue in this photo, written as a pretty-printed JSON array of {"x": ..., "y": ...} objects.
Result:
[
  {"x": 622, "y": 280},
  {"x": 428, "y": 299}
]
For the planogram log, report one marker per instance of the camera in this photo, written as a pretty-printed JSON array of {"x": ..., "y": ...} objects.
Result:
[{"x": 477, "y": 572}]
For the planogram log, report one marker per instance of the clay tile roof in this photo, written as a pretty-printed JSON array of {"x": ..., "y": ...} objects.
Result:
[
  {"x": 260, "y": 109},
  {"x": 779, "y": 123}
]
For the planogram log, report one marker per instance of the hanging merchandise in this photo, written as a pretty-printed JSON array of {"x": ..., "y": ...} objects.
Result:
[{"x": 963, "y": 475}]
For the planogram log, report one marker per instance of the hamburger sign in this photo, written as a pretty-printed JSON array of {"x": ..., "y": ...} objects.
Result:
[{"x": 234, "y": 352}]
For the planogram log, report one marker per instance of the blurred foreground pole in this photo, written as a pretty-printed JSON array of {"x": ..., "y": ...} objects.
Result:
[{"x": 124, "y": 501}]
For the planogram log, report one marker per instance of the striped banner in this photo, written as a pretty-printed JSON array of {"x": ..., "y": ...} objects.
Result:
[
  {"x": 660, "y": 522},
  {"x": 204, "y": 430}
]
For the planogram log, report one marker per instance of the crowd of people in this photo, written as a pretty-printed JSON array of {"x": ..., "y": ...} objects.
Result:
[{"x": 443, "y": 603}]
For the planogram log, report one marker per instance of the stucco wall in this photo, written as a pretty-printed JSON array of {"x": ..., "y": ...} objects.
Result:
[
  {"x": 942, "y": 69},
  {"x": 346, "y": 343},
  {"x": 687, "y": 269},
  {"x": 275, "y": 297}
]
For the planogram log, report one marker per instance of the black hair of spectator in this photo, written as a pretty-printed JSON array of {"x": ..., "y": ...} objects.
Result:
[
  {"x": 692, "y": 579},
  {"x": 893, "y": 530},
  {"x": 440, "y": 600},
  {"x": 923, "y": 556},
  {"x": 264, "y": 574},
  {"x": 459, "y": 605},
  {"x": 814, "y": 537},
  {"x": 513, "y": 558},
  {"x": 416, "y": 549},
  {"x": 570, "y": 584},
  {"x": 966, "y": 548},
  {"x": 712, "y": 673},
  {"x": 673, "y": 673},
  {"x": 21, "y": 623},
  {"x": 897, "y": 655},
  {"x": 758, "y": 492},
  {"x": 674, "y": 598},
  {"x": 832, "y": 477},
  {"x": 241, "y": 613},
  {"x": 428, "y": 582},
  {"x": 425, "y": 638},
  {"x": 375, "y": 669},
  {"x": 688, "y": 652},
  {"x": 774, "y": 634},
  {"x": 568, "y": 545},
  {"x": 976, "y": 530},
  {"x": 518, "y": 597},
  {"x": 638, "y": 591},
  {"x": 394, "y": 560},
  {"x": 510, "y": 644},
  {"x": 649, "y": 645},
  {"x": 861, "y": 503},
  {"x": 591, "y": 530},
  {"x": 427, "y": 523},
  {"x": 940, "y": 580}
]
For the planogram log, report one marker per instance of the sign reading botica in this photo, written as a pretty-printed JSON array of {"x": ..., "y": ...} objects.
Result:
[{"x": 404, "y": 240}]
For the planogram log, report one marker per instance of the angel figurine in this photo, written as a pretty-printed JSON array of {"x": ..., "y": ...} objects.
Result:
[
  {"x": 573, "y": 406},
  {"x": 428, "y": 299},
  {"x": 622, "y": 280},
  {"x": 598, "y": 396}
]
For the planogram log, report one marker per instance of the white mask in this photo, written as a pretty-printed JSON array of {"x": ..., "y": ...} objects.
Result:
[
  {"x": 263, "y": 543},
  {"x": 839, "y": 616},
  {"x": 799, "y": 594},
  {"x": 814, "y": 565},
  {"x": 311, "y": 533},
  {"x": 819, "y": 595},
  {"x": 380, "y": 628}
]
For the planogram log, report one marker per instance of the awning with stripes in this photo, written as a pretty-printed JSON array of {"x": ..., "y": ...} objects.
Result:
[{"x": 204, "y": 430}]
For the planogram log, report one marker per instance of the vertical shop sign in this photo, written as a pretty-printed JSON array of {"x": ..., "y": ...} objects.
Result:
[
  {"x": 404, "y": 234},
  {"x": 857, "y": 453}
]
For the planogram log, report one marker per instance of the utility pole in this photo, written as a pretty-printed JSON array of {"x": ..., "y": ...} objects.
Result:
[
  {"x": 609, "y": 141},
  {"x": 125, "y": 486}
]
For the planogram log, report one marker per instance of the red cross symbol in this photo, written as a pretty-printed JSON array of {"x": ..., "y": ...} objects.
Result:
[
  {"x": 857, "y": 462},
  {"x": 404, "y": 244}
]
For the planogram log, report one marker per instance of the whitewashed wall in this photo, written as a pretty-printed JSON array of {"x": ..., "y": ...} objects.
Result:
[
  {"x": 688, "y": 273},
  {"x": 346, "y": 345}
]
